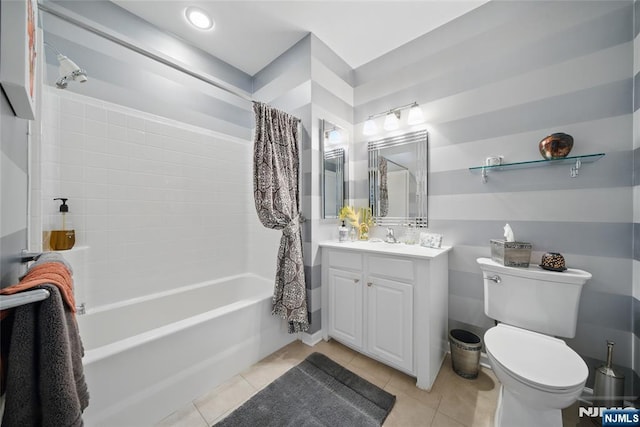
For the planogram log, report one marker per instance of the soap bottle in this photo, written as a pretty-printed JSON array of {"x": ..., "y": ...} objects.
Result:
[
  {"x": 352, "y": 234},
  {"x": 343, "y": 233},
  {"x": 63, "y": 236}
]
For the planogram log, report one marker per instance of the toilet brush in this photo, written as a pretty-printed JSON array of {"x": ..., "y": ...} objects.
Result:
[{"x": 608, "y": 390}]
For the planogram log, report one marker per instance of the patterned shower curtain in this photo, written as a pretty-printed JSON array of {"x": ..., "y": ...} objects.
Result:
[{"x": 275, "y": 187}]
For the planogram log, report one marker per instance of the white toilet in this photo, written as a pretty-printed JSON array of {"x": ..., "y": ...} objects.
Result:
[{"x": 540, "y": 374}]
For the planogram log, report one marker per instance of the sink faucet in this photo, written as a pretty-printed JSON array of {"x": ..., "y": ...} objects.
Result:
[{"x": 391, "y": 238}]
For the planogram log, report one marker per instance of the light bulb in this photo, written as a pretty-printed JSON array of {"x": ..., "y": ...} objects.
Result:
[
  {"x": 198, "y": 18},
  {"x": 370, "y": 127},
  {"x": 335, "y": 137},
  {"x": 391, "y": 121},
  {"x": 415, "y": 115}
]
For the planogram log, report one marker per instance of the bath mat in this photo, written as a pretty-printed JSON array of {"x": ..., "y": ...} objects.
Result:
[{"x": 316, "y": 392}]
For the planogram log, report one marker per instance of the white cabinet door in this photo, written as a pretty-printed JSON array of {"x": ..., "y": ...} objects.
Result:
[
  {"x": 390, "y": 321},
  {"x": 345, "y": 300}
]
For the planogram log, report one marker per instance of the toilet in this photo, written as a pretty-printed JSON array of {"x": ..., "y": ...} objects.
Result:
[{"x": 539, "y": 373}]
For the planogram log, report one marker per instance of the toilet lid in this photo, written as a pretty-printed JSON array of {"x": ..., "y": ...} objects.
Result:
[{"x": 536, "y": 359}]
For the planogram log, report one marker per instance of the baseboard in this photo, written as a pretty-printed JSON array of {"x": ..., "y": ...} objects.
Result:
[
  {"x": 310, "y": 339},
  {"x": 484, "y": 360}
]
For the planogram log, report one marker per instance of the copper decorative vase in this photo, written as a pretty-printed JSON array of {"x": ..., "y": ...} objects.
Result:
[{"x": 556, "y": 146}]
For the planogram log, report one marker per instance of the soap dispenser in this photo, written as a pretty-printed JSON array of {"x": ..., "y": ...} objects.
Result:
[
  {"x": 343, "y": 233},
  {"x": 63, "y": 236}
]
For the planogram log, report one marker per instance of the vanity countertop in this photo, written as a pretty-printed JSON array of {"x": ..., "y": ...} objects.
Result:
[{"x": 415, "y": 251}]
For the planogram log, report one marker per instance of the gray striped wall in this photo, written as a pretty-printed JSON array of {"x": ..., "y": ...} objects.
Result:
[
  {"x": 285, "y": 84},
  {"x": 311, "y": 82},
  {"x": 124, "y": 77},
  {"x": 332, "y": 100},
  {"x": 13, "y": 192},
  {"x": 495, "y": 82},
  {"x": 636, "y": 191}
]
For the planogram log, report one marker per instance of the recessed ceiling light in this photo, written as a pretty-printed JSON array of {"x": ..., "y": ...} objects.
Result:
[{"x": 198, "y": 18}]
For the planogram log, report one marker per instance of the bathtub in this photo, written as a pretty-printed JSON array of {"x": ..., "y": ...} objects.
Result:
[{"x": 146, "y": 357}]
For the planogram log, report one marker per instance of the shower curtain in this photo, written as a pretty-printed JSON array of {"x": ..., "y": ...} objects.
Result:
[{"x": 276, "y": 166}]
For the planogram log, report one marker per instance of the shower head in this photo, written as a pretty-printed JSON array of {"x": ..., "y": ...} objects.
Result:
[{"x": 69, "y": 70}]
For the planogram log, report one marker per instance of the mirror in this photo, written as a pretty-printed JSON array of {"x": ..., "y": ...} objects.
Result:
[
  {"x": 398, "y": 179},
  {"x": 334, "y": 145}
]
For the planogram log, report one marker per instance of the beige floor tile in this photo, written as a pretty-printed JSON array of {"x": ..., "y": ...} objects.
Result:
[
  {"x": 408, "y": 411},
  {"x": 441, "y": 420},
  {"x": 265, "y": 371},
  {"x": 382, "y": 373},
  {"x": 224, "y": 397},
  {"x": 407, "y": 384},
  {"x": 295, "y": 352},
  {"x": 469, "y": 402},
  {"x": 369, "y": 376},
  {"x": 189, "y": 416},
  {"x": 335, "y": 351},
  {"x": 452, "y": 402},
  {"x": 469, "y": 411}
]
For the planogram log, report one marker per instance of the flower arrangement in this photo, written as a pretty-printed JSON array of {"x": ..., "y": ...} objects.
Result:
[{"x": 362, "y": 220}]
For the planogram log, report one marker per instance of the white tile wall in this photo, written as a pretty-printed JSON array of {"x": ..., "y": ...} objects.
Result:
[{"x": 160, "y": 204}]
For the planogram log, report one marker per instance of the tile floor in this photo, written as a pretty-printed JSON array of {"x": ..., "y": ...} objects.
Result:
[{"x": 452, "y": 402}]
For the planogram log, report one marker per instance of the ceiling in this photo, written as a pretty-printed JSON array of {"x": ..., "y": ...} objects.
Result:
[{"x": 251, "y": 34}]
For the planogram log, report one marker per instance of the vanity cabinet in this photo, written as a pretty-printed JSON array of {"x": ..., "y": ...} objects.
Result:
[
  {"x": 389, "y": 302},
  {"x": 390, "y": 321},
  {"x": 345, "y": 296}
]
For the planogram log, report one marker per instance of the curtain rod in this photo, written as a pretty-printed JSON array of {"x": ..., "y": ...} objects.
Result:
[{"x": 45, "y": 8}]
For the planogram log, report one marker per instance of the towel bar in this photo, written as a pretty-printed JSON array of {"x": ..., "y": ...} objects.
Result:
[
  {"x": 22, "y": 298},
  {"x": 29, "y": 256}
]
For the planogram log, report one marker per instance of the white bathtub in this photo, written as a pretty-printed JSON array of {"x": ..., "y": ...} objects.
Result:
[{"x": 146, "y": 357}]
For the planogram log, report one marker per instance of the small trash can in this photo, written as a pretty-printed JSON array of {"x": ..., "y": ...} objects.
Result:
[{"x": 465, "y": 353}]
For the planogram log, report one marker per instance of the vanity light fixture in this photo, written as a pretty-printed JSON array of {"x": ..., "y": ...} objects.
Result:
[
  {"x": 370, "y": 127},
  {"x": 415, "y": 115},
  {"x": 333, "y": 136},
  {"x": 198, "y": 18},
  {"x": 392, "y": 119}
]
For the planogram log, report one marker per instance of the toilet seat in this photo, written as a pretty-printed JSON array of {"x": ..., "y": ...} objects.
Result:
[{"x": 538, "y": 360}]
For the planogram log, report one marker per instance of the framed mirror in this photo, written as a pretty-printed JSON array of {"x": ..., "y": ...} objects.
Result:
[
  {"x": 398, "y": 168},
  {"x": 334, "y": 147}
]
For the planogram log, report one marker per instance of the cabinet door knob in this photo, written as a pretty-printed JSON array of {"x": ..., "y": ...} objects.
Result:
[
  {"x": 356, "y": 280},
  {"x": 369, "y": 284}
]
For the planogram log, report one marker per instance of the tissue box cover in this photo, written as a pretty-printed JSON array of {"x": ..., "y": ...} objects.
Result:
[{"x": 511, "y": 254}]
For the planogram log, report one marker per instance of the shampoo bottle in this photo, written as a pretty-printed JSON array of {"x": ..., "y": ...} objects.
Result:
[{"x": 63, "y": 236}]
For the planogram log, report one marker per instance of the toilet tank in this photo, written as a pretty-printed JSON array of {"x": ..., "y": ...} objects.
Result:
[{"x": 532, "y": 298}]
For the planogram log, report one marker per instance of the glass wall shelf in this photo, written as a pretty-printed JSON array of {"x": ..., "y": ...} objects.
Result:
[{"x": 575, "y": 161}]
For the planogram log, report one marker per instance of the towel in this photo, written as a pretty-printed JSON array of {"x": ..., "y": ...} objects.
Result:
[
  {"x": 51, "y": 272},
  {"x": 50, "y": 257},
  {"x": 50, "y": 268},
  {"x": 45, "y": 378}
]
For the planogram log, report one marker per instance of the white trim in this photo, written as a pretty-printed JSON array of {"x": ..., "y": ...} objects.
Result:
[
  {"x": 310, "y": 339},
  {"x": 484, "y": 361}
]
